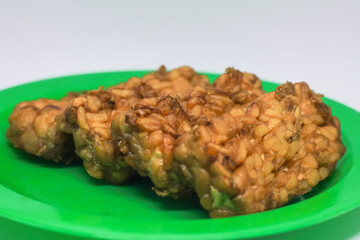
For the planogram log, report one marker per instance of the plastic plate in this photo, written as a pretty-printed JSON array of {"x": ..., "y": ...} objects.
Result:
[{"x": 55, "y": 199}]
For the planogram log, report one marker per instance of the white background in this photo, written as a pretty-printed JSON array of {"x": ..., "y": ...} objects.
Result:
[{"x": 313, "y": 41}]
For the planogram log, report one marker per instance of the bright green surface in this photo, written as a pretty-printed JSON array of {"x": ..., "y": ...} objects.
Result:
[{"x": 63, "y": 201}]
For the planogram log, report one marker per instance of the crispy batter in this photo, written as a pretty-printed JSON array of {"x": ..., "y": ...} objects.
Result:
[
  {"x": 152, "y": 126},
  {"x": 279, "y": 146},
  {"x": 238, "y": 158},
  {"x": 146, "y": 136},
  {"x": 89, "y": 118},
  {"x": 32, "y": 128},
  {"x": 241, "y": 87}
]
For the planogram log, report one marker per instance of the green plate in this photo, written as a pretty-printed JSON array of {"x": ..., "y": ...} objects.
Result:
[{"x": 38, "y": 197}]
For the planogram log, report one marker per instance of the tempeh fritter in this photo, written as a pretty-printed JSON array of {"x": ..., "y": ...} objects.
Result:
[
  {"x": 89, "y": 118},
  {"x": 241, "y": 150},
  {"x": 259, "y": 157},
  {"x": 242, "y": 159},
  {"x": 152, "y": 126},
  {"x": 33, "y": 129}
]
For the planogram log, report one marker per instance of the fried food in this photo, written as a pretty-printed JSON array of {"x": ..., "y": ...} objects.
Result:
[
  {"x": 33, "y": 129},
  {"x": 147, "y": 133},
  {"x": 238, "y": 158},
  {"x": 241, "y": 150},
  {"x": 89, "y": 118},
  {"x": 259, "y": 157}
]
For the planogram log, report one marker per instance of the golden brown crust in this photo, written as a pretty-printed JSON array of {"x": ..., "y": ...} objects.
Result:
[
  {"x": 259, "y": 157},
  {"x": 148, "y": 133},
  {"x": 89, "y": 118},
  {"x": 241, "y": 87},
  {"x": 239, "y": 158},
  {"x": 32, "y": 128},
  {"x": 153, "y": 125}
]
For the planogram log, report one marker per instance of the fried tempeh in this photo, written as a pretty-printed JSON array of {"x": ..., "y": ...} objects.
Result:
[
  {"x": 151, "y": 128},
  {"x": 240, "y": 150},
  {"x": 33, "y": 129},
  {"x": 239, "y": 159},
  {"x": 89, "y": 118},
  {"x": 259, "y": 157}
]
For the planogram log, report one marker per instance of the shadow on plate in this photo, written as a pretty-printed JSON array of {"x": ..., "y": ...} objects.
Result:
[
  {"x": 142, "y": 187},
  {"x": 23, "y": 156}
]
